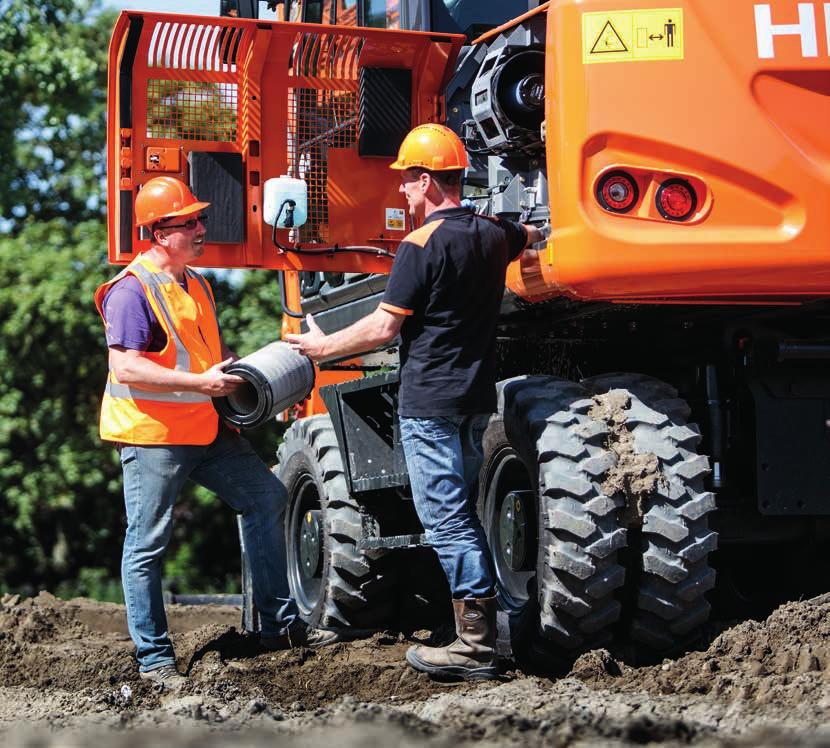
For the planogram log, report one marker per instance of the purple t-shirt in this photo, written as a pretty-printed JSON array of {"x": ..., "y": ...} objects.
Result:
[{"x": 131, "y": 321}]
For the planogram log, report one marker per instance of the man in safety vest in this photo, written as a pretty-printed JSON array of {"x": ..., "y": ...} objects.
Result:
[
  {"x": 443, "y": 295},
  {"x": 166, "y": 360}
]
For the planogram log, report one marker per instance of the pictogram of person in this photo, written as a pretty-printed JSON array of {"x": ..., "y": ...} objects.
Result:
[{"x": 669, "y": 28}]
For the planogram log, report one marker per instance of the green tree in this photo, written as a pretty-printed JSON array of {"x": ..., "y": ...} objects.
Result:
[
  {"x": 61, "y": 508},
  {"x": 57, "y": 491},
  {"x": 251, "y": 316},
  {"x": 53, "y": 99}
]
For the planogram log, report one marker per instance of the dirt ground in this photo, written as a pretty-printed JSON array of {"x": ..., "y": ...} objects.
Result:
[{"x": 67, "y": 678}]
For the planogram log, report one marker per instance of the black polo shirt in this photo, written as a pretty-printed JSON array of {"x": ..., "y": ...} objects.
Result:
[{"x": 448, "y": 278}]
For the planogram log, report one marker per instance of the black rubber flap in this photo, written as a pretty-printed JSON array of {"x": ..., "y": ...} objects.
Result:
[
  {"x": 125, "y": 73},
  {"x": 125, "y": 226},
  {"x": 218, "y": 178},
  {"x": 385, "y": 111}
]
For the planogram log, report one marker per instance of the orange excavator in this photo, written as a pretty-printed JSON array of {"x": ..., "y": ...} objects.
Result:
[{"x": 681, "y": 157}]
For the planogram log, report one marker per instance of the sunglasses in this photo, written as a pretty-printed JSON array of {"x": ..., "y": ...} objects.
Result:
[{"x": 189, "y": 224}]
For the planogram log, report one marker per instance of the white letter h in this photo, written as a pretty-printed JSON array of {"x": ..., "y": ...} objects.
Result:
[{"x": 805, "y": 28}]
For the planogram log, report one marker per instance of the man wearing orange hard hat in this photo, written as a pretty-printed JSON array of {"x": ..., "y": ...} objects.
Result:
[
  {"x": 166, "y": 361},
  {"x": 443, "y": 295}
]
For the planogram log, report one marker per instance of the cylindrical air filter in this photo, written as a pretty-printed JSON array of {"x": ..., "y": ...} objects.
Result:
[{"x": 276, "y": 377}]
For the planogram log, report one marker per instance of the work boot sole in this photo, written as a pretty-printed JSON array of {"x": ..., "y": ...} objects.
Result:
[{"x": 486, "y": 672}]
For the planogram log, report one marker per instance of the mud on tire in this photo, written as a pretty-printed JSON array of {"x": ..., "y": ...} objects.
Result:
[
  {"x": 544, "y": 436},
  {"x": 673, "y": 571},
  {"x": 345, "y": 588}
]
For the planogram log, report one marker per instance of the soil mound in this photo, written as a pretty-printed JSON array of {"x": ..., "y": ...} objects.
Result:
[
  {"x": 45, "y": 644},
  {"x": 372, "y": 669},
  {"x": 81, "y": 646},
  {"x": 782, "y": 660},
  {"x": 39, "y": 619}
]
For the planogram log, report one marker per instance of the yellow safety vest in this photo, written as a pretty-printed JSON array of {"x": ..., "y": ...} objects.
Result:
[{"x": 131, "y": 415}]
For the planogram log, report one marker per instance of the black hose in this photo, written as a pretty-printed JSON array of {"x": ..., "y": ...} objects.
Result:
[
  {"x": 375, "y": 251},
  {"x": 337, "y": 249},
  {"x": 284, "y": 299}
]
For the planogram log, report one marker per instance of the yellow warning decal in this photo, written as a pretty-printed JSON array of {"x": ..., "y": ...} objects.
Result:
[{"x": 632, "y": 35}]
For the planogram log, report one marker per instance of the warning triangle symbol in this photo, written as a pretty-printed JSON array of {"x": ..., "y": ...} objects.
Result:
[{"x": 608, "y": 41}]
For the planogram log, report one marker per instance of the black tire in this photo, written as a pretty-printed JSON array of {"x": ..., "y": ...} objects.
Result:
[
  {"x": 673, "y": 572},
  {"x": 543, "y": 442},
  {"x": 346, "y": 589}
]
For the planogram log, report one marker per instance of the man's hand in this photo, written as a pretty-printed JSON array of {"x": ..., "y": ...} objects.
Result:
[
  {"x": 536, "y": 234},
  {"x": 373, "y": 330},
  {"x": 312, "y": 343},
  {"x": 216, "y": 383}
]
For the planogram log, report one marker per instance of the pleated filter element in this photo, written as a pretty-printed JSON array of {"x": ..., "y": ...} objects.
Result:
[{"x": 276, "y": 377}]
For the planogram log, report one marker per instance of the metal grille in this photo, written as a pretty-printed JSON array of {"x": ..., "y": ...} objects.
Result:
[
  {"x": 194, "y": 46},
  {"x": 318, "y": 119},
  {"x": 191, "y": 110},
  {"x": 326, "y": 56}
]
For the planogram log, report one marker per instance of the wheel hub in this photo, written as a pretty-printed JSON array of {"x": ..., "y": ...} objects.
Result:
[
  {"x": 514, "y": 530},
  {"x": 311, "y": 556}
]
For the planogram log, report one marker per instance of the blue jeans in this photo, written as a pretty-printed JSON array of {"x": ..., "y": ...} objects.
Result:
[
  {"x": 153, "y": 478},
  {"x": 443, "y": 457}
]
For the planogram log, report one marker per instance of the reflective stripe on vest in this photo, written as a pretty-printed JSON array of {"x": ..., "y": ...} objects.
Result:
[{"x": 115, "y": 389}]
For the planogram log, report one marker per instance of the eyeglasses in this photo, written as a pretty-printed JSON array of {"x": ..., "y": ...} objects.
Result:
[{"x": 189, "y": 224}]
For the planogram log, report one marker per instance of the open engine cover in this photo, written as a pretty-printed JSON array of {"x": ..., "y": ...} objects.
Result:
[{"x": 282, "y": 98}]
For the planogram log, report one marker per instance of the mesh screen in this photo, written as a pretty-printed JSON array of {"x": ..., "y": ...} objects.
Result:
[
  {"x": 190, "y": 110},
  {"x": 318, "y": 119}
]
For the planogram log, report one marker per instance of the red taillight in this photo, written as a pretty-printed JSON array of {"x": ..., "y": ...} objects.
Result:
[
  {"x": 676, "y": 200},
  {"x": 617, "y": 192}
]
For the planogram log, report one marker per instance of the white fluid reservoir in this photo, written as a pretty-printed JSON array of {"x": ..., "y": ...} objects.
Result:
[{"x": 286, "y": 202}]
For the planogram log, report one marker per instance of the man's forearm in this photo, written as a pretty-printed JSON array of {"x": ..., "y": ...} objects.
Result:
[
  {"x": 140, "y": 372},
  {"x": 364, "y": 335}
]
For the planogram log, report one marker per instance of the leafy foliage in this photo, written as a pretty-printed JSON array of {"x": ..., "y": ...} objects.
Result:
[
  {"x": 251, "y": 317},
  {"x": 53, "y": 99},
  {"x": 57, "y": 487},
  {"x": 61, "y": 507}
]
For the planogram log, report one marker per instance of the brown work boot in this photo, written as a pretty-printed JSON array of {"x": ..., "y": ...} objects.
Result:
[
  {"x": 472, "y": 655},
  {"x": 166, "y": 678}
]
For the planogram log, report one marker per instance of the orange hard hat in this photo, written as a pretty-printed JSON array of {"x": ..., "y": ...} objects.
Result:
[
  {"x": 165, "y": 197},
  {"x": 432, "y": 147}
]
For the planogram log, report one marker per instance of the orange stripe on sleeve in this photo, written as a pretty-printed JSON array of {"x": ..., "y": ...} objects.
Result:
[
  {"x": 396, "y": 309},
  {"x": 421, "y": 236}
]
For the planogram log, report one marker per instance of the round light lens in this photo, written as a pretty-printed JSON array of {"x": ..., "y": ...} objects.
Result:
[
  {"x": 617, "y": 192},
  {"x": 676, "y": 200}
]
